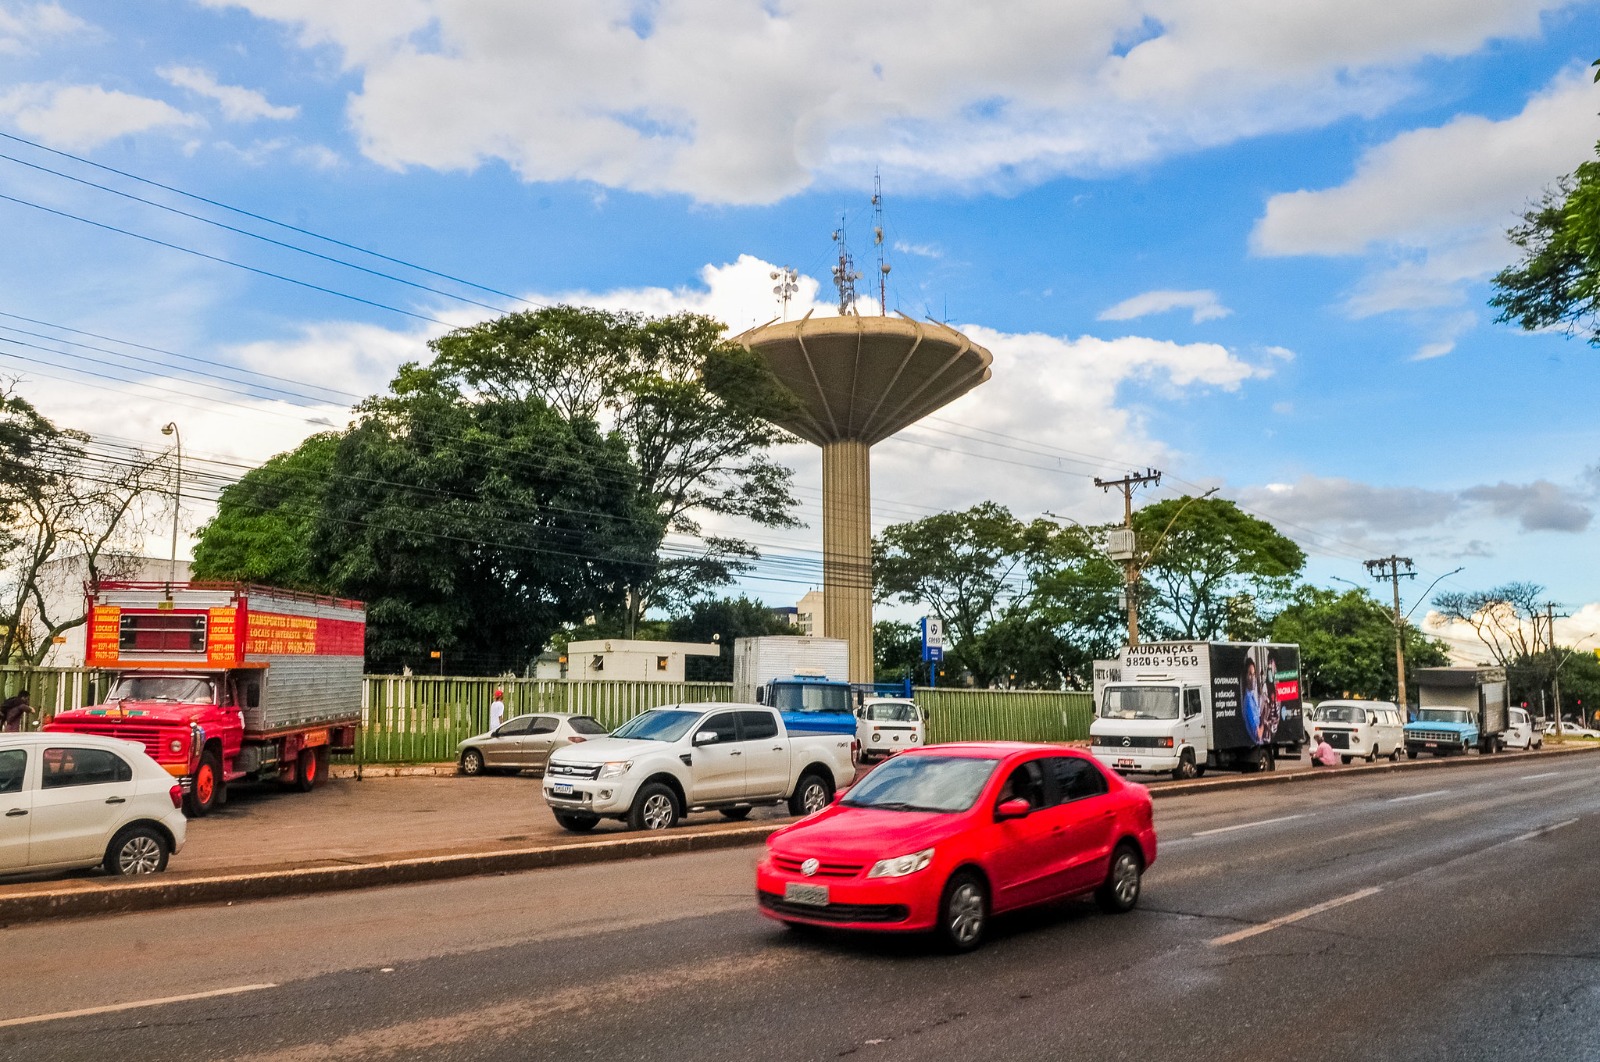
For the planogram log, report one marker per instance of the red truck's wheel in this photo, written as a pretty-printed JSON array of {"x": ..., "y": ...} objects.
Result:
[
  {"x": 207, "y": 790},
  {"x": 308, "y": 771}
]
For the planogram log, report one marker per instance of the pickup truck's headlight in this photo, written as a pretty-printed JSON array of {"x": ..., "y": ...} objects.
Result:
[
  {"x": 900, "y": 866},
  {"x": 616, "y": 768}
]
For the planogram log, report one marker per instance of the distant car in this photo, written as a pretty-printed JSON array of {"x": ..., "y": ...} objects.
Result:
[
  {"x": 70, "y": 801},
  {"x": 1522, "y": 734},
  {"x": 1359, "y": 729},
  {"x": 1571, "y": 730},
  {"x": 887, "y": 725},
  {"x": 942, "y": 837},
  {"x": 525, "y": 742}
]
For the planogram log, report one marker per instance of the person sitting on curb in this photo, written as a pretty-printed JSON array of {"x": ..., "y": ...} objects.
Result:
[{"x": 1323, "y": 755}]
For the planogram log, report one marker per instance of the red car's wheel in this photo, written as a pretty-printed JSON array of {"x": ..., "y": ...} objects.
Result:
[
  {"x": 963, "y": 911},
  {"x": 1125, "y": 879}
]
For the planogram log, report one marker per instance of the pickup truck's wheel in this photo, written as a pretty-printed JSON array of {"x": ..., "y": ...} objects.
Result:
[
  {"x": 207, "y": 791},
  {"x": 472, "y": 763},
  {"x": 963, "y": 912},
  {"x": 576, "y": 823},
  {"x": 137, "y": 850},
  {"x": 1124, "y": 880},
  {"x": 736, "y": 814},
  {"x": 811, "y": 795},
  {"x": 655, "y": 808}
]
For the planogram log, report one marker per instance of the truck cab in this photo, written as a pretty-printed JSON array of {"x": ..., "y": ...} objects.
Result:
[
  {"x": 1155, "y": 727},
  {"x": 811, "y": 704},
  {"x": 1441, "y": 731}
]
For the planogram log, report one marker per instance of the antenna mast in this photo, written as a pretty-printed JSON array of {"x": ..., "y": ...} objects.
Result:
[
  {"x": 844, "y": 274},
  {"x": 877, "y": 238},
  {"x": 788, "y": 283}
]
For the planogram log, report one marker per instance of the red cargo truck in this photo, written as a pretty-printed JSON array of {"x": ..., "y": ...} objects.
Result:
[{"x": 225, "y": 683}]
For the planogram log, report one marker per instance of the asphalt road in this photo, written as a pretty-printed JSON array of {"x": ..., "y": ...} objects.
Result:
[{"x": 1442, "y": 915}]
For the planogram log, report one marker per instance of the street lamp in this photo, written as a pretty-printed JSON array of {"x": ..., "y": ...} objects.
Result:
[{"x": 171, "y": 428}]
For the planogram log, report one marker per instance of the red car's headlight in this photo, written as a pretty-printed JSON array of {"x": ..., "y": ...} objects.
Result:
[{"x": 900, "y": 866}]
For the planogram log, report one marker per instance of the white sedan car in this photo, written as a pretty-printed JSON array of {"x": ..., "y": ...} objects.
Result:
[
  {"x": 1571, "y": 731},
  {"x": 70, "y": 801}
]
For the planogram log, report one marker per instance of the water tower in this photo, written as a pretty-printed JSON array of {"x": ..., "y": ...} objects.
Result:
[{"x": 858, "y": 381}]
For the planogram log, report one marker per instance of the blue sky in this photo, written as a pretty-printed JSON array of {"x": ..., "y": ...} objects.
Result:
[{"x": 1245, "y": 242}]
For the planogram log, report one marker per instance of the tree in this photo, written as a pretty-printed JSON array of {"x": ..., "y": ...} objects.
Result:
[
  {"x": 689, "y": 405},
  {"x": 263, "y": 528},
  {"x": 724, "y": 620},
  {"x": 1212, "y": 554},
  {"x": 897, "y": 645},
  {"x": 1505, "y": 618},
  {"x": 1557, "y": 283},
  {"x": 1579, "y": 671},
  {"x": 1347, "y": 644}
]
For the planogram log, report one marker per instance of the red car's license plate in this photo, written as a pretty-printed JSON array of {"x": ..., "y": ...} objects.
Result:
[{"x": 810, "y": 895}]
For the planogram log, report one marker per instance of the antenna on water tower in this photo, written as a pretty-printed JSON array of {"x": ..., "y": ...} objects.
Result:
[
  {"x": 788, "y": 283},
  {"x": 844, "y": 274},
  {"x": 877, "y": 238}
]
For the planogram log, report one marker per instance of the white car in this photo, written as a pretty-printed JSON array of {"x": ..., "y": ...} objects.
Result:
[
  {"x": 1360, "y": 729},
  {"x": 887, "y": 725},
  {"x": 70, "y": 801},
  {"x": 1522, "y": 733},
  {"x": 1571, "y": 730}
]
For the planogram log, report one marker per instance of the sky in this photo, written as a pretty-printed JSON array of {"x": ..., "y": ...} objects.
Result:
[{"x": 1246, "y": 243}]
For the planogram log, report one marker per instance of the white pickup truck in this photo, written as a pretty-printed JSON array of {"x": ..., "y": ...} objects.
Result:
[{"x": 695, "y": 757}]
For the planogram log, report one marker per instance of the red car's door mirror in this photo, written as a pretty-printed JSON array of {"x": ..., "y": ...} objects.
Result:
[{"x": 1016, "y": 808}]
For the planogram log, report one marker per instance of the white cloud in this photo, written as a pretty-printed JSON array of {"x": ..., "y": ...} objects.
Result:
[
  {"x": 1204, "y": 305},
  {"x": 238, "y": 104},
  {"x": 921, "y": 250},
  {"x": 750, "y": 103},
  {"x": 1429, "y": 351},
  {"x": 79, "y": 117},
  {"x": 24, "y": 27},
  {"x": 1433, "y": 204}
]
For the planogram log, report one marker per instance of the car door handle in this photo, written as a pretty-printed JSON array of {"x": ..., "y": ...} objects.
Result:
[
  {"x": 735, "y": 752},
  {"x": 14, "y": 812},
  {"x": 777, "y": 748},
  {"x": 116, "y": 800}
]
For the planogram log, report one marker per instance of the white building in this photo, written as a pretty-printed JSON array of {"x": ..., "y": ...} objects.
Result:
[
  {"x": 808, "y": 613},
  {"x": 618, "y": 659}
]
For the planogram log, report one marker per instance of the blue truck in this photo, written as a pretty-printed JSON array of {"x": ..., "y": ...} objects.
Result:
[
  {"x": 1458, "y": 709},
  {"x": 807, "y": 679}
]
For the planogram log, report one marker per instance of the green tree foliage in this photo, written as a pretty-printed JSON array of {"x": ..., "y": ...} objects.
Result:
[
  {"x": 897, "y": 645},
  {"x": 722, "y": 619},
  {"x": 1347, "y": 644},
  {"x": 1532, "y": 682},
  {"x": 263, "y": 528},
  {"x": 1204, "y": 554},
  {"x": 1557, "y": 282}
]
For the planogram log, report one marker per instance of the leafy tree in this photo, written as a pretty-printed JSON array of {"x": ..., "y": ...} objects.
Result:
[
  {"x": 1505, "y": 618},
  {"x": 898, "y": 648},
  {"x": 1203, "y": 554},
  {"x": 1347, "y": 644},
  {"x": 264, "y": 524},
  {"x": 722, "y": 619}
]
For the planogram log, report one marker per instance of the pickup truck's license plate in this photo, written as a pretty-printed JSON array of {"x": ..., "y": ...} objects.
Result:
[
  {"x": 810, "y": 895},
  {"x": 562, "y": 789},
  {"x": 1430, "y": 745},
  {"x": 1125, "y": 763}
]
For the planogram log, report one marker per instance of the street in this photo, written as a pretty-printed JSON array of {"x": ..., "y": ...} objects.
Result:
[{"x": 1445, "y": 914}]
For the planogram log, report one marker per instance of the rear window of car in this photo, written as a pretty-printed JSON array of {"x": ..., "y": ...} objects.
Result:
[
  {"x": 582, "y": 724},
  {"x": 69, "y": 767}
]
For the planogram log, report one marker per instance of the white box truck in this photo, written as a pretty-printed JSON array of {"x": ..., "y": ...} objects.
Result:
[
  {"x": 806, "y": 678},
  {"x": 1183, "y": 707}
]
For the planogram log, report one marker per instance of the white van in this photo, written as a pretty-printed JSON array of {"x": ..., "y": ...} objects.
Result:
[
  {"x": 1360, "y": 729},
  {"x": 1522, "y": 733},
  {"x": 887, "y": 725}
]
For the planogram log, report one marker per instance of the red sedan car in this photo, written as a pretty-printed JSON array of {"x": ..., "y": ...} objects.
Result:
[{"x": 941, "y": 838}]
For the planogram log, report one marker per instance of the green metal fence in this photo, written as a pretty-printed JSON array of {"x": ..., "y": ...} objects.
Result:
[
  {"x": 1006, "y": 715},
  {"x": 52, "y": 690}
]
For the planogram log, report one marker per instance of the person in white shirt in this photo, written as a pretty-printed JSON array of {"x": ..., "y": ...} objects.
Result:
[{"x": 497, "y": 711}]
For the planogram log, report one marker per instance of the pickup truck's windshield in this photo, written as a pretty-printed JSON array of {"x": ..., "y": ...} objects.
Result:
[
  {"x": 892, "y": 713},
  {"x": 1444, "y": 715},
  {"x": 173, "y": 689},
  {"x": 1340, "y": 713},
  {"x": 923, "y": 783},
  {"x": 810, "y": 697},
  {"x": 1140, "y": 702},
  {"x": 658, "y": 725}
]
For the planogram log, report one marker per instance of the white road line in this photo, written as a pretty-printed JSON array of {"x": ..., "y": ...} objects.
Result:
[
  {"x": 1276, "y": 923},
  {"x": 1541, "y": 831},
  {"x": 115, "y": 1007},
  {"x": 1248, "y": 825},
  {"x": 1531, "y": 777},
  {"x": 1419, "y": 796}
]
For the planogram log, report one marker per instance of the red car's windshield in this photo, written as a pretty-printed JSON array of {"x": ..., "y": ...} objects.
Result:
[{"x": 923, "y": 783}]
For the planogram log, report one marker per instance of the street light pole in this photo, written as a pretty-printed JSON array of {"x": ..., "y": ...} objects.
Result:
[{"x": 171, "y": 428}]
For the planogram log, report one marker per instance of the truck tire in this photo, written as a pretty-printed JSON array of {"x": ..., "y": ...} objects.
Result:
[
  {"x": 1124, "y": 880},
  {"x": 207, "y": 791},
  {"x": 1411, "y": 754},
  {"x": 811, "y": 795},
  {"x": 1186, "y": 768},
  {"x": 136, "y": 851},
  {"x": 472, "y": 763},
  {"x": 963, "y": 912},
  {"x": 308, "y": 771},
  {"x": 654, "y": 808},
  {"x": 576, "y": 823}
]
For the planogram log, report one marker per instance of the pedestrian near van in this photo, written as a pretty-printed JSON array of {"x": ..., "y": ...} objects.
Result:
[
  {"x": 497, "y": 711},
  {"x": 1323, "y": 755},
  {"x": 12, "y": 712}
]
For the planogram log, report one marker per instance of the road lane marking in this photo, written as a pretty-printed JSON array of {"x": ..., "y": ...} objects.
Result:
[
  {"x": 1247, "y": 825},
  {"x": 1531, "y": 777},
  {"x": 1541, "y": 831},
  {"x": 115, "y": 1007},
  {"x": 1419, "y": 796},
  {"x": 1277, "y": 923}
]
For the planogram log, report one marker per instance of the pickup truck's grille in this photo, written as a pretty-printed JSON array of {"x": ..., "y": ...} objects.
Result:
[
  {"x": 837, "y": 912},
  {"x": 572, "y": 770},
  {"x": 1433, "y": 735},
  {"x": 1339, "y": 739},
  {"x": 1120, "y": 742},
  {"x": 791, "y": 865}
]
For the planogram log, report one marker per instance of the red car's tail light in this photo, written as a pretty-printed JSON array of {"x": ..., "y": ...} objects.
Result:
[{"x": 176, "y": 793}]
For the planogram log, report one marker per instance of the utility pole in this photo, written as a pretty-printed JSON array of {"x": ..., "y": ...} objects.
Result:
[
  {"x": 1555, "y": 676},
  {"x": 1389, "y": 568},
  {"x": 1130, "y": 554}
]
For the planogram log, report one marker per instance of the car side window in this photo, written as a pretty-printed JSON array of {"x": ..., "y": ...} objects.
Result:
[
  {"x": 13, "y": 768},
  {"x": 1026, "y": 782},
  {"x": 1075, "y": 779},
  {"x": 542, "y": 724},
  {"x": 723, "y": 725},
  {"x": 70, "y": 767},
  {"x": 514, "y": 727},
  {"x": 758, "y": 726}
]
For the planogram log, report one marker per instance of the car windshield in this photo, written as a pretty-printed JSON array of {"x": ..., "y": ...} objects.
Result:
[
  {"x": 173, "y": 689},
  {"x": 1140, "y": 702},
  {"x": 1340, "y": 713},
  {"x": 892, "y": 713},
  {"x": 658, "y": 725},
  {"x": 582, "y": 724},
  {"x": 810, "y": 697},
  {"x": 1444, "y": 715},
  {"x": 923, "y": 783}
]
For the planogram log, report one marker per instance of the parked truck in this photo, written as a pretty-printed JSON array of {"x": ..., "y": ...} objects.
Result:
[
  {"x": 224, "y": 683},
  {"x": 1458, "y": 708},
  {"x": 1184, "y": 707},
  {"x": 806, "y": 678}
]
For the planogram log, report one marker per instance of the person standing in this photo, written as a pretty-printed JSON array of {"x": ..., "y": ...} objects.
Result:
[
  {"x": 497, "y": 711},
  {"x": 12, "y": 712}
]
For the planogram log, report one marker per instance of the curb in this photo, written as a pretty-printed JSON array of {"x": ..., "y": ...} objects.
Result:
[
  {"x": 95, "y": 899},
  {"x": 1251, "y": 781}
]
